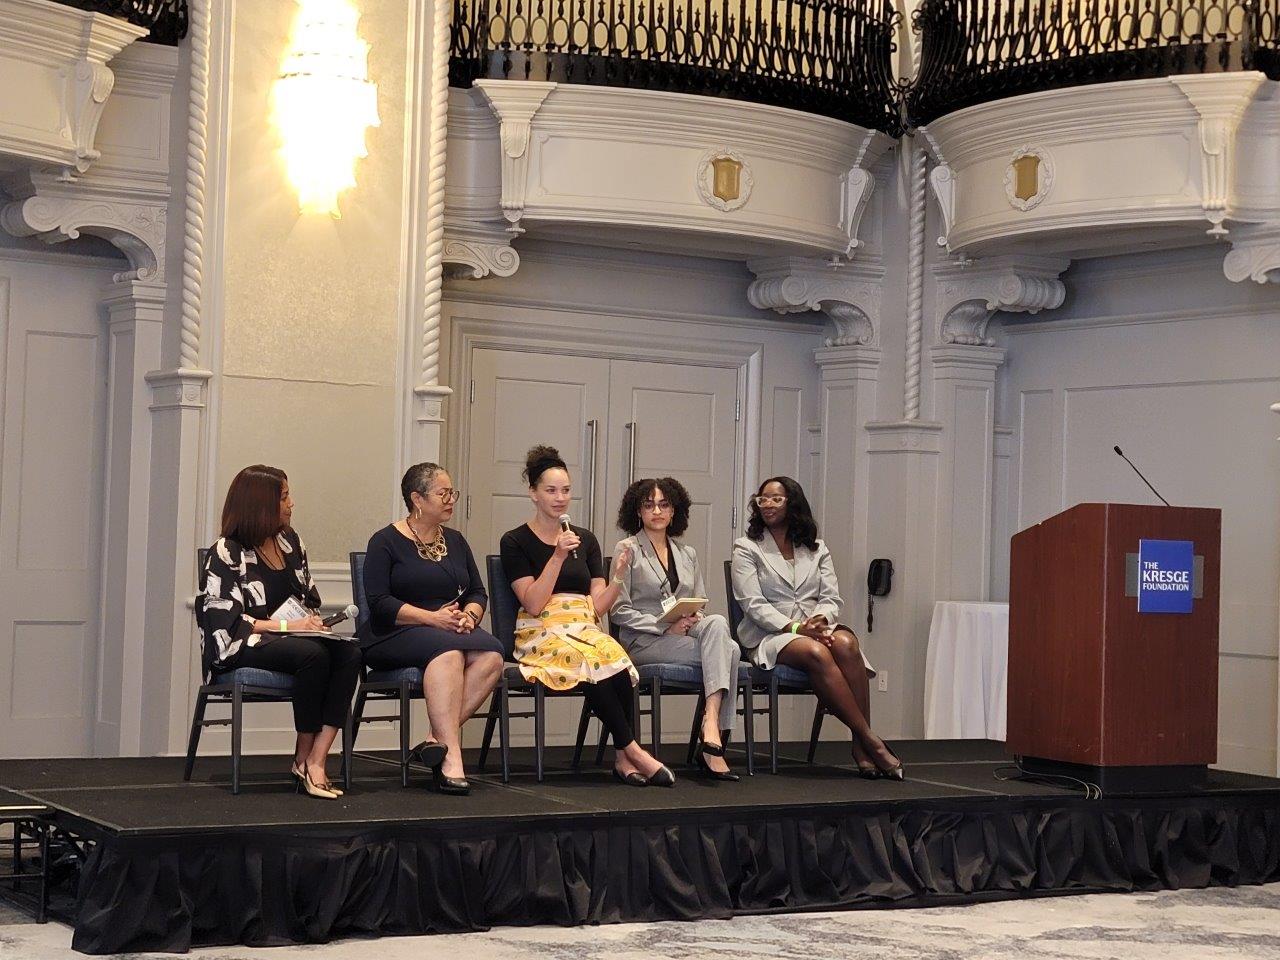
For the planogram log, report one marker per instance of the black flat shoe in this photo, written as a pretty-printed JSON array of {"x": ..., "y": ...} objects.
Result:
[
  {"x": 429, "y": 753},
  {"x": 456, "y": 786},
  {"x": 663, "y": 777},
  {"x": 632, "y": 779},
  {"x": 700, "y": 758}
]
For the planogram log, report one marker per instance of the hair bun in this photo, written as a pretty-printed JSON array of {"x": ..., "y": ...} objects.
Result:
[{"x": 539, "y": 460}]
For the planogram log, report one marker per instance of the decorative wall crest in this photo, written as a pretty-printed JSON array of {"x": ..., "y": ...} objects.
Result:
[
  {"x": 724, "y": 179},
  {"x": 849, "y": 294},
  {"x": 514, "y": 103},
  {"x": 968, "y": 294},
  {"x": 1028, "y": 177}
]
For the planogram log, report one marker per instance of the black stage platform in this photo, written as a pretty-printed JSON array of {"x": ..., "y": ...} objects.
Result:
[{"x": 169, "y": 865}]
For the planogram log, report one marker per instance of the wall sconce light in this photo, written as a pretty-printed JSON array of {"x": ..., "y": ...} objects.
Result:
[{"x": 324, "y": 103}]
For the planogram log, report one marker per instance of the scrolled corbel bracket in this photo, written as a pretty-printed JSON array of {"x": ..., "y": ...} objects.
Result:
[
  {"x": 1254, "y": 254},
  {"x": 514, "y": 103},
  {"x": 968, "y": 294},
  {"x": 848, "y": 294}
]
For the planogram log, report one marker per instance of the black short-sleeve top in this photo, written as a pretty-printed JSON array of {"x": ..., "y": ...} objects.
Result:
[
  {"x": 525, "y": 555},
  {"x": 394, "y": 575}
]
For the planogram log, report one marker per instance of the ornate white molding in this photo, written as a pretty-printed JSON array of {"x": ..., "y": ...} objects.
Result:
[
  {"x": 918, "y": 165},
  {"x": 475, "y": 251},
  {"x": 1220, "y": 104},
  {"x": 968, "y": 294},
  {"x": 178, "y": 389},
  {"x": 514, "y": 103},
  {"x": 54, "y": 210},
  {"x": 858, "y": 185},
  {"x": 849, "y": 294},
  {"x": 437, "y": 149},
  {"x": 942, "y": 181},
  {"x": 50, "y": 45},
  {"x": 1254, "y": 254},
  {"x": 193, "y": 221}
]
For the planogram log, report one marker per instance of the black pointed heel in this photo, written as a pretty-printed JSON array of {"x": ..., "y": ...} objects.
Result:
[
  {"x": 456, "y": 786},
  {"x": 898, "y": 772},
  {"x": 632, "y": 779},
  {"x": 430, "y": 753},
  {"x": 700, "y": 758}
]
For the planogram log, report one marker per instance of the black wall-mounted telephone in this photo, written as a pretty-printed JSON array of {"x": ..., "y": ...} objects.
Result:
[{"x": 879, "y": 583}]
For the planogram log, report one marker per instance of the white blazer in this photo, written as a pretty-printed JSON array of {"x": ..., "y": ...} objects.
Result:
[{"x": 773, "y": 594}]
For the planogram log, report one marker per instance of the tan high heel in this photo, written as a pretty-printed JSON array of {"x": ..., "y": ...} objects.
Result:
[
  {"x": 312, "y": 789},
  {"x": 299, "y": 774}
]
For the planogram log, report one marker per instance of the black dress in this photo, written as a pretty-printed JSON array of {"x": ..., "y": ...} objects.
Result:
[{"x": 394, "y": 574}]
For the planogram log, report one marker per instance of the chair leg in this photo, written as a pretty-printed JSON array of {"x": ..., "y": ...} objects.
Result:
[
  {"x": 655, "y": 716},
  {"x": 237, "y": 731},
  {"x": 42, "y": 904},
  {"x": 504, "y": 729},
  {"x": 773, "y": 724},
  {"x": 539, "y": 726},
  {"x": 819, "y": 713},
  {"x": 193, "y": 742},
  {"x": 694, "y": 728},
  {"x": 404, "y": 734},
  {"x": 601, "y": 742},
  {"x": 357, "y": 716},
  {"x": 584, "y": 718},
  {"x": 490, "y": 724},
  {"x": 348, "y": 729},
  {"x": 749, "y": 726}
]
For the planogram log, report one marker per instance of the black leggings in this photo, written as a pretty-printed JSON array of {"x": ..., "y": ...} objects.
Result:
[
  {"x": 325, "y": 673},
  {"x": 612, "y": 701}
]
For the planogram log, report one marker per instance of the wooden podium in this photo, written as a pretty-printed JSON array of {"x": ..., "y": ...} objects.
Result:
[{"x": 1098, "y": 690}]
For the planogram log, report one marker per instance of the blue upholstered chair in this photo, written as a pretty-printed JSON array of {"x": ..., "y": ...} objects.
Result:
[
  {"x": 236, "y": 688},
  {"x": 782, "y": 679}
]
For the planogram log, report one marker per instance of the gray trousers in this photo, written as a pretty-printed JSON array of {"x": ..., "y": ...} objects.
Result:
[{"x": 708, "y": 645}]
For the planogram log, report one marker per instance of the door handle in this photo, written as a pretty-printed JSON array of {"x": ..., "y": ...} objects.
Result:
[
  {"x": 593, "y": 426},
  {"x": 631, "y": 453}
]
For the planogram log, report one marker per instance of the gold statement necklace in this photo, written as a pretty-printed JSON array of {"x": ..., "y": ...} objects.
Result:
[{"x": 436, "y": 550}]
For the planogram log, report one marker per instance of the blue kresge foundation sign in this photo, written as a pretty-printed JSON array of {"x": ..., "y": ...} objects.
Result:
[{"x": 1164, "y": 576}]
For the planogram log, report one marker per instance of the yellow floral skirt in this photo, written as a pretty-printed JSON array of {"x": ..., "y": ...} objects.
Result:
[{"x": 564, "y": 645}]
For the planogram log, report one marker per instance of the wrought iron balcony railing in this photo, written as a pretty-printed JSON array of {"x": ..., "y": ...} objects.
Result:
[
  {"x": 975, "y": 51},
  {"x": 830, "y": 57},
  {"x": 166, "y": 19}
]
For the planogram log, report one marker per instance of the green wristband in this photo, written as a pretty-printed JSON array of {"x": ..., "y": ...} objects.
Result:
[{"x": 795, "y": 627}]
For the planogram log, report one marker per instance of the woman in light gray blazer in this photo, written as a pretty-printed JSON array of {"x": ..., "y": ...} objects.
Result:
[
  {"x": 785, "y": 582},
  {"x": 655, "y": 513}
]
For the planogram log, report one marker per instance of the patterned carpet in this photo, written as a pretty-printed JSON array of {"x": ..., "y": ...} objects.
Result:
[{"x": 1177, "y": 925}]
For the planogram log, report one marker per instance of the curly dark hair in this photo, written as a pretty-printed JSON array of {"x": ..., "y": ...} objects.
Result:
[
  {"x": 538, "y": 461},
  {"x": 671, "y": 488},
  {"x": 802, "y": 529}
]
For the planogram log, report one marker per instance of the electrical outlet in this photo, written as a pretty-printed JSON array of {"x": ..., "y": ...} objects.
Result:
[{"x": 882, "y": 681}]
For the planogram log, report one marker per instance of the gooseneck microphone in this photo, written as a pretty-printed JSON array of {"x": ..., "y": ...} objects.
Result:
[
  {"x": 564, "y": 526},
  {"x": 350, "y": 612},
  {"x": 1140, "y": 476}
]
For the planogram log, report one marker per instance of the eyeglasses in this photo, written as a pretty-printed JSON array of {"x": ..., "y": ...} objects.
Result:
[
  {"x": 448, "y": 495},
  {"x": 660, "y": 506},
  {"x": 775, "y": 501}
]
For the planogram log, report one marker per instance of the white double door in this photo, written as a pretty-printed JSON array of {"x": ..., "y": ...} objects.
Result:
[{"x": 613, "y": 421}]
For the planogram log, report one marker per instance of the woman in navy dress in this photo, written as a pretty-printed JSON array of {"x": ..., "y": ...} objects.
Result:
[{"x": 426, "y": 600}]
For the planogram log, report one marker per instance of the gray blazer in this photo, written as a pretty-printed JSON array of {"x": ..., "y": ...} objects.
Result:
[
  {"x": 773, "y": 595},
  {"x": 644, "y": 587}
]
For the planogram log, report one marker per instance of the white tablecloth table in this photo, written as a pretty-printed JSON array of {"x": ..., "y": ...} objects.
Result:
[{"x": 966, "y": 672}]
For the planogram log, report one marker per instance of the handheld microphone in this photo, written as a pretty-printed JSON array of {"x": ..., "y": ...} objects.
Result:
[
  {"x": 1140, "y": 476},
  {"x": 564, "y": 526},
  {"x": 351, "y": 612}
]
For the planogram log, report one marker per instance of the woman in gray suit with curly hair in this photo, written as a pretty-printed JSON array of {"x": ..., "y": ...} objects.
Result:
[{"x": 656, "y": 513}]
